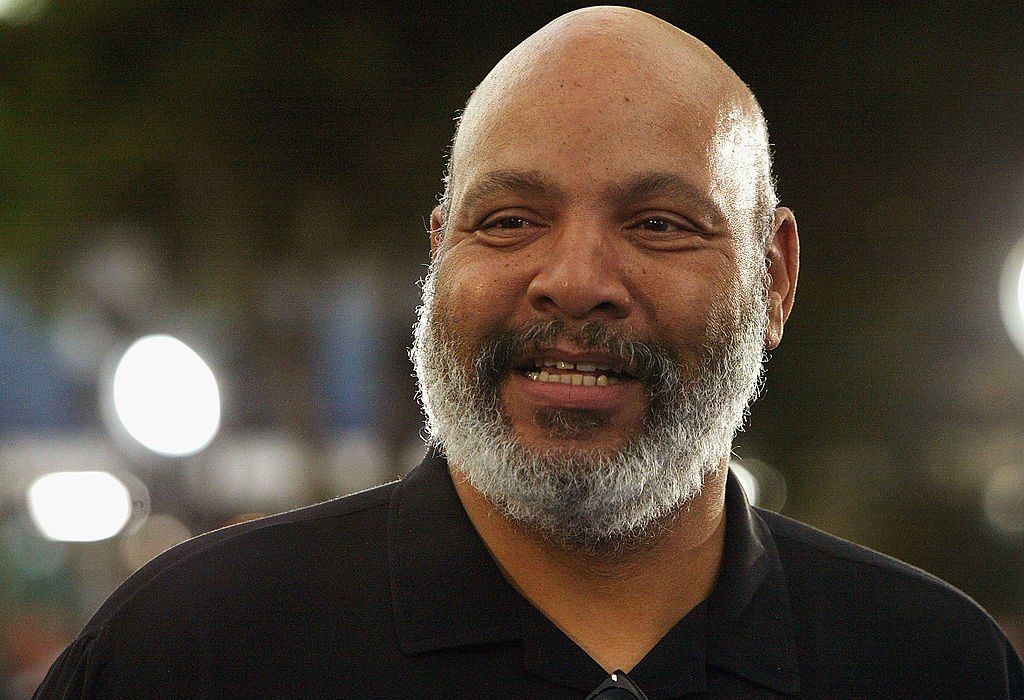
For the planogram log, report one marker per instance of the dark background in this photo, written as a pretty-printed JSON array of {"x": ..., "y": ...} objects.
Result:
[{"x": 239, "y": 172}]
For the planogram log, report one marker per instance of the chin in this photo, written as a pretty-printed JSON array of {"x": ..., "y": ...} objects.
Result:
[{"x": 595, "y": 446}]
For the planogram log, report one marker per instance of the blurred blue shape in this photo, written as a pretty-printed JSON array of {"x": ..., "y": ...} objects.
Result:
[
  {"x": 350, "y": 351},
  {"x": 36, "y": 392}
]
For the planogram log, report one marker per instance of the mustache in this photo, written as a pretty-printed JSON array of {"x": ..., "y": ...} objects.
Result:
[{"x": 644, "y": 360}]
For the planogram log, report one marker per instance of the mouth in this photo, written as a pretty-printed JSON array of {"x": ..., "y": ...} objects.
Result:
[{"x": 595, "y": 372}]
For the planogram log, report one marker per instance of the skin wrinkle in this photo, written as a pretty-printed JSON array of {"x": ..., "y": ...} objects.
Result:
[
  {"x": 611, "y": 505},
  {"x": 740, "y": 131},
  {"x": 628, "y": 492},
  {"x": 512, "y": 184},
  {"x": 604, "y": 510}
]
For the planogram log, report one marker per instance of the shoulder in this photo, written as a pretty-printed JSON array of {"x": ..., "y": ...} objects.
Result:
[
  {"x": 263, "y": 599},
  {"x": 865, "y": 613},
  {"x": 804, "y": 545},
  {"x": 349, "y": 529},
  {"x": 815, "y": 561}
]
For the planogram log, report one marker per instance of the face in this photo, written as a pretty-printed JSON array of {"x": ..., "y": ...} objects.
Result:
[{"x": 594, "y": 320}]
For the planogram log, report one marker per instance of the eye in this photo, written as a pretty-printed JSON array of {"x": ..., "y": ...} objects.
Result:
[
  {"x": 508, "y": 228},
  {"x": 664, "y": 230},
  {"x": 658, "y": 225},
  {"x": 506, "y": 222},
  {"x": 663, "y": 224}
]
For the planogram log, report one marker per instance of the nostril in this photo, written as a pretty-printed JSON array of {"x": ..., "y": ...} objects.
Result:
[{"x": 544, "y": 302}]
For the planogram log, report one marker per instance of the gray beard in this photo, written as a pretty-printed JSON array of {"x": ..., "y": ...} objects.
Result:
[{"x": 590, "y": 501}]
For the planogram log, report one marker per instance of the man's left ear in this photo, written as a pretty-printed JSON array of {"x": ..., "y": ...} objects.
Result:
[{"x": 783, "y": 262}]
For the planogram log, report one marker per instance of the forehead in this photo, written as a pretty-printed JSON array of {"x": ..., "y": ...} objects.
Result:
[
  {"x": 577, "y": 132},
  {"x": 599, "y": 115}
]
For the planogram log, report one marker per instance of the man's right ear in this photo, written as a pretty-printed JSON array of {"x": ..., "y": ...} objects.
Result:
[{"x": 436, "y": 229}]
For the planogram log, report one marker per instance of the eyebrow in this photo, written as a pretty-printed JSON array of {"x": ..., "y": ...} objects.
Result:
[
  {"x": 502, "y": 182},
  {"x": 638, "y": 187},
  {"x": 649, "y": 185}
]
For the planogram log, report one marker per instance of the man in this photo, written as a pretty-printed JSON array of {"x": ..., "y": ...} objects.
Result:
[{"x": 609, "y": 265}]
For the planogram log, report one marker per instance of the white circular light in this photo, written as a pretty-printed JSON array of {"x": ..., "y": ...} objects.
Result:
[
  {"x": 1012, "y": 295},
  {"x": 166, "y": 396},
  {"x": 79, "y": 506}
]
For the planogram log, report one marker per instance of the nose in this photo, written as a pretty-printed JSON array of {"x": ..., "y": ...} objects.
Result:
[{"x": 580, "y": 276}]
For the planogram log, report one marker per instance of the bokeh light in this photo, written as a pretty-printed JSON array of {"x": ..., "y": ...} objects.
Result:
[
  {"x": 159, "y": 533},
  {"x": 20, "y": 11},
  {"x": 79, "y": 506},
  {"x": 764, "y": 485},
  {"x": 748, "y": 481},
  {"x": 166, "y": 396},
  {"x": 1004, "y": 499},
  {"x": 1011, "y": 295}
]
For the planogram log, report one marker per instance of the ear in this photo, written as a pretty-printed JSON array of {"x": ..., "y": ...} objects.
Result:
[
  {"x": 783, "y": 262},
  {"x": 436, "y": 229}
]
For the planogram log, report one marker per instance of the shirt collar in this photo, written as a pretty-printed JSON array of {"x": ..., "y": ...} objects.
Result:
[
  {"x": 446, "y": 589},
  {"x": 448, "y": 592},
  {"x": 750, "y": 620}
]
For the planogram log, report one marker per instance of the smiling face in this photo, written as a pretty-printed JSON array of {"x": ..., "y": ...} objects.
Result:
[{"x": 597, "y": 301}]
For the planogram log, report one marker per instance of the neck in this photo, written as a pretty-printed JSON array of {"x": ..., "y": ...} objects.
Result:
[{"x": 617, "y": 606}]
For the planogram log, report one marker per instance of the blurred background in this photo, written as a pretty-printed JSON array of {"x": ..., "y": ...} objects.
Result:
[{"x": 212, "y": 222}]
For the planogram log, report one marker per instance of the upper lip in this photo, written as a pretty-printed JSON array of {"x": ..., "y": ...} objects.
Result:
[{"x": 536, "y": 356}]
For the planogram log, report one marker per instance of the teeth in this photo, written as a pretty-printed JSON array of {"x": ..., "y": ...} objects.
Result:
[
  {"x": 548, "y": 374},
  {"x": 579, "y": 366},
  {"x": 573, "y": 379}
]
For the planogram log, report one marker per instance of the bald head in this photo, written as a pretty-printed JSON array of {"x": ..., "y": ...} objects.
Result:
[
  {"x": 607, "y": 197},
  {"x": 595, "y": 64}
]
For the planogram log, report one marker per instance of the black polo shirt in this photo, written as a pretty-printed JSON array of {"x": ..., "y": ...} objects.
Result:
[{"x": 391, "y": 594}]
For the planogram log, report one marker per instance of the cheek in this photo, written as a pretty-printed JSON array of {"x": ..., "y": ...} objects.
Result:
[
  {"x": 678, "y": 297},
  {"x": 684, "y": 303},
  {"x": 479, "y": 294}
]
